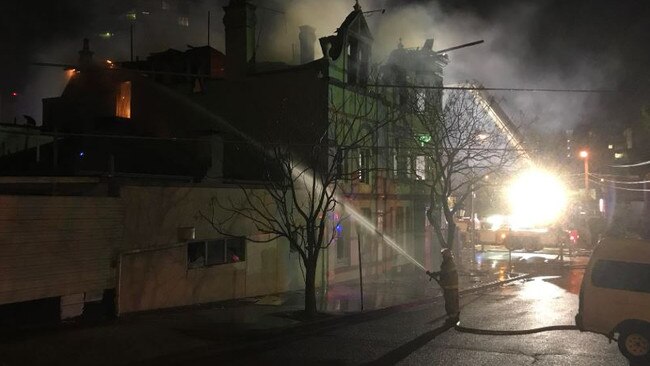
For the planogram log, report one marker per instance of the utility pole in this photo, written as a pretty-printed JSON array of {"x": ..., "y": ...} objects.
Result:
[
  {"x": 131, "y": 36},
  {"x": 208, "y": 28},
  {"x": 584, "y": 154},
  {"x": 360, "y": 267},
  {"x": 471, "y": 227}
]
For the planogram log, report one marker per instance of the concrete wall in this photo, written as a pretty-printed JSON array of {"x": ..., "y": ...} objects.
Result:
[{"x": 154, "y": 273}]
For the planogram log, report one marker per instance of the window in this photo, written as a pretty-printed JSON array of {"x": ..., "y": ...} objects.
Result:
[
  {"x": 409, "y": 166},
  {"x": 213, "y": 252},
  {"x": 342, "y": 242},
  {"x": 364, "y": 165},
  {"x": 196, "y": 254},
  {"x": 164, "y": 5},
  {"x": 216, "y": 252},
  {"x": 420, "y": 167},
  {"x": 622, "y": 276},
  {"x": 399, "y": 225},
  {"x": 183, "y": 21},
  {"x": 123, "y": 100},
  {"x": 420, "y": 100}
]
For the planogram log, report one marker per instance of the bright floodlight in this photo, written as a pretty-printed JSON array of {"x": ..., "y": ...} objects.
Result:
[
  {"x": 537, "y": 198},
  {"x": 584, "y": 154},
  {"x": 495, "y": 221}
]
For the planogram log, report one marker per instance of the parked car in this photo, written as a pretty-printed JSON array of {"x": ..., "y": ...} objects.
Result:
[{"x": 615, "y": 296}]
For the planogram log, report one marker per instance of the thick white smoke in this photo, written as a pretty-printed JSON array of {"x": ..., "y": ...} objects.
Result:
[{"x": 504, "y": 60}]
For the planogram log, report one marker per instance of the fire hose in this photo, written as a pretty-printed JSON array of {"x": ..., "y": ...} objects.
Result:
[
  {"x": 515, "y": 332},
  {"x": 508, "y": 332}
]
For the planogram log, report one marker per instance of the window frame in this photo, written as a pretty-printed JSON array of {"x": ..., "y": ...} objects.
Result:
[
  {"x": 227, "y": 243},
  {"x": 630, "y": 276}
]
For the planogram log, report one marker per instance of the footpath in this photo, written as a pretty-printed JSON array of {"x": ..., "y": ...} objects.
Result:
[{"x": 167, "y": 336}]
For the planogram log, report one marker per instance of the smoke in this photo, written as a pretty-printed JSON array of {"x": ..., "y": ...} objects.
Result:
[{"x": 510, "y": 56}]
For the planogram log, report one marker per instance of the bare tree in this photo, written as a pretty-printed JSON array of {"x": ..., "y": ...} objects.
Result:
[
  {"x": 300, "y": 190},
  {"x": 457, "y": 145}
]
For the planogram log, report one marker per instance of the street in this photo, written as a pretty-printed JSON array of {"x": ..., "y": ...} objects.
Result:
[
  {"x": 417, "y": 336},
  {"x": 412, "y": 333}
]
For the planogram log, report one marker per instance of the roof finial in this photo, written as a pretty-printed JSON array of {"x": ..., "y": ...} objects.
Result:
[{"x": 357, "y": 7}]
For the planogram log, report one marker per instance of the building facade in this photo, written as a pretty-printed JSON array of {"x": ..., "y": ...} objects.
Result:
[{"x": 187, "y": 125}]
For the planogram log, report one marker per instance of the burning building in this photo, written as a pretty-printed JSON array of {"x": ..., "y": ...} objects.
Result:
[{"x": 152, "y": 140}]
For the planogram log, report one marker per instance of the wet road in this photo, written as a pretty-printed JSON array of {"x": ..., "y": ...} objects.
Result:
[{"x": 416, "y": 336}]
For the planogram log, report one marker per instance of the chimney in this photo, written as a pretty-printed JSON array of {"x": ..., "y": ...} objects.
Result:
[
  {"x": 239, "y": 21},
  {"x": 307, "y": 38},
  {"x": 85, "y": 55}
]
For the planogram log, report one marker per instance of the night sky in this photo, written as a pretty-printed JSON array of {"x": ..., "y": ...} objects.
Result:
[{"x": 562, "y": 39}]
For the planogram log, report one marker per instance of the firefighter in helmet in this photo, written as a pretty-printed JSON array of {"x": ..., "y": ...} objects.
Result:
[{"x": 447, "y": 278}]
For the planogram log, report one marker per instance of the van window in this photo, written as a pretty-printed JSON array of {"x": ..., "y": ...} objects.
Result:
[{"x": 622, "y": 275}]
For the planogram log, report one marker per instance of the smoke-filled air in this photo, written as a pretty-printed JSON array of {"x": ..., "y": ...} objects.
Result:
[{"x": 508, "y": 58}]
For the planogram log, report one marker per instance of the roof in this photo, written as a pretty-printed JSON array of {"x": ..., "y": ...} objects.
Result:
[{"x": 355, "y": 18}]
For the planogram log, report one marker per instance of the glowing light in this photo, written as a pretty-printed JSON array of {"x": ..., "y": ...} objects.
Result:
[
  {"x": 601, "y": 205},
  {"x": 496, "y": 221},
  {"x": 610, "y": 146},
  {"x": 14, "y": 94},
  {"x": 109, "y": 62},
  {"x": 584, "y": 154},
  {"x": 537, "y": 198}
]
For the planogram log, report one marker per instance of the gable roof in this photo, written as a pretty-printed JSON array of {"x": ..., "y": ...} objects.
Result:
[{"x": 354, "y": 23}]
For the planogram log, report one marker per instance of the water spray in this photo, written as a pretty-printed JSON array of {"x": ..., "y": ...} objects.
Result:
[{"x": 363, "y": 221}]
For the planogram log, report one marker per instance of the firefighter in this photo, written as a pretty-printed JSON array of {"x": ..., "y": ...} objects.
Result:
[{"x": 447, "y": 278}]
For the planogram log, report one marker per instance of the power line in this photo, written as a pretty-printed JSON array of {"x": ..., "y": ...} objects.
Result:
[
  {"x": 631, "y": 165},
  {"x": 543, "y": 90},
  {"x": 620, "y": 181},
  {"x": 402, "y": 86},
  {"x": 206, "y": 139},
  {"x": 618, "y": 188}
]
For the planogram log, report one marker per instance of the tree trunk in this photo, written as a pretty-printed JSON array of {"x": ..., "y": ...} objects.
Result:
[
  {"x": 310, "y": 288},
  {"x": 451, "y": 233}
]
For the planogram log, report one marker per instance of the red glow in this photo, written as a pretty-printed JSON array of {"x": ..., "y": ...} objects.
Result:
[{"x": 14, "y": 94}]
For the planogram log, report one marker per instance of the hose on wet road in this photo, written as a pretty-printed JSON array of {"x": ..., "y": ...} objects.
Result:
[{"x": 515, "y": 332}]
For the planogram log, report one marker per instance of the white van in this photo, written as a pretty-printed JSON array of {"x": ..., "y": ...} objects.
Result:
[{"x": 615, "y": 296}]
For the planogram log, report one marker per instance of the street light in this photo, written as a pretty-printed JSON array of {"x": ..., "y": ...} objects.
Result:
[{"x": 584, "y": 154}]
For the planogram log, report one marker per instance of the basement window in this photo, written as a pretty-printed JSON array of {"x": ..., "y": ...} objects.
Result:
[
  {"x": 215, "y": 252},
  {"x": 123, "y": 100}
]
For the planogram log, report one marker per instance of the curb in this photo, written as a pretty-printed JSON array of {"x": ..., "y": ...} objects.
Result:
[
  {"x": 376, "y": 313},
  {"x": 296, "y": 331}
]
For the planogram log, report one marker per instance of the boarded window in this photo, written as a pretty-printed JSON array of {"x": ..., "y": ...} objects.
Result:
[
  {"x": 123, "y": 100},
  {"x": 626, "y": 276}
]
